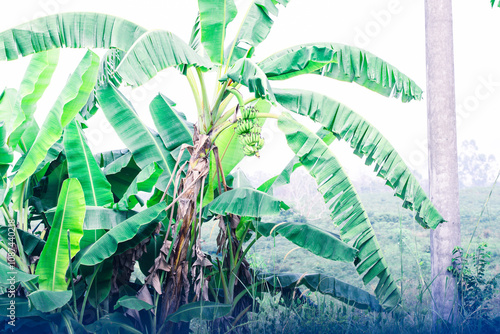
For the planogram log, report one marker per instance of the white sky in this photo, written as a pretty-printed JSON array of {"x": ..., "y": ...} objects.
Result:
[{"x": 391, "y": 29}]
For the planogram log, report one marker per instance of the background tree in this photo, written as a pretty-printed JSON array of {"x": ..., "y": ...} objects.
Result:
[{"x": 443, "y": 161}]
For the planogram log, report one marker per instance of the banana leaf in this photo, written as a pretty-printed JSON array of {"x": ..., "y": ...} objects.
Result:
[
  {"x": 72, "y": 30},
  {"x": 32, "y": 244},
  {"x": 341, "y": 62},
  {"x": 10, "y": 275},
  {"x": 98, "y": 218},
  {"x": 144, "y": 181},
  {"x": 124, "y": 236},
  {"x": 245, "y": 202},
  {"x": 366, "y": 141},
  {"x": 254, "y": 28},
  {"x": 172, "y": 126},
  {"x": 153, "y": 52},
  {"x": 48, "y": 301},
  {"x": 324, "y": 284},
  {"x": 247, "y": 73},
  {"x": 214, "y": 18},
  {"x": 21, "y": 307},
  {"x": 203, "y": 310},
  {"x": 144, "y": 145},
  {"x": 345, "y": 206},
  {"x": 133, "y": 303},
  {"x": 35, "y": 81},
  {"x": 72, "y": 98},
  {"x": 316, "y": 240},
  {"x": 69, "y": 215},
  {"x": 82, "y": 166}
]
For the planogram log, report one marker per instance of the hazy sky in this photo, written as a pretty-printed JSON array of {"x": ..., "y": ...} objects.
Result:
[{"x": 391, "y": 29}]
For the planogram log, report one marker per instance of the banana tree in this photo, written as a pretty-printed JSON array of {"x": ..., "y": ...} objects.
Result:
[{"x": 188, "y": 167}]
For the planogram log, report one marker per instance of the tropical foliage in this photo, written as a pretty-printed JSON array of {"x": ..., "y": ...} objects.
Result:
[{"x": 85, "y": 244}]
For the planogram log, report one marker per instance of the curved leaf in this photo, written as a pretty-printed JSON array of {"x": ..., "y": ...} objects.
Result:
[
  {"x": 154, "y": 52},
  {"x": 366, "y": 141},
  {"x": 10, "y": 275},
  {"x": 82, "y": 166},
  {"x": 327, "y": 285},
  {"x": 124, "y": 236},
  {"x": 98, "y": 218},
  {"x": 255, "y": 27},
  {"x": 69, "y": 215},
  {"x": 342, "y": 62},
  {"x": 214, "y": 18},
  {"x": 32, "y": 244},
  {"x": 72, "y": 30},
  {"x": 345, "y": 205},
  {"x": 247, "y": 73},
  {"x": 172, "y": 126},
  {"x": 146, "y": 147},
  {"x": 36, "y": 79},
  {"x": 310, "y": 237},
  {"x": 144, "y": 181},
  {"x": 246, "y": 202},
  {"x": 133, "y": 303},
  {"x": 48, "y": 301},
  {"x": 106, "y": 158},
  {"x": 22, "y": 307},
  {"x": 72, "y": 98},
  {"x": 202, "y": 310}
]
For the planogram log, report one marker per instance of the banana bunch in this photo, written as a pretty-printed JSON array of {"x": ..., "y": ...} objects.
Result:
[{"x": 249, "y": 131}]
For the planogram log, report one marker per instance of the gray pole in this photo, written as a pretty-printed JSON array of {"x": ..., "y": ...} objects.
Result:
[{"x": 443, "y": 164}]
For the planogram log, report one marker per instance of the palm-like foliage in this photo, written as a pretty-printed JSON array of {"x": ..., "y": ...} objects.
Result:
[{"x": 187, "y": 167}]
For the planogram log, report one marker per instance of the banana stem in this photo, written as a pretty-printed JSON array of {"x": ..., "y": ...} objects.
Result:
[{"x": 238, "y": 95}]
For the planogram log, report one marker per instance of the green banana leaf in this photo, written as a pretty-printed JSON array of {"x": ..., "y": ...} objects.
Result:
[
  {"x": 345, "y": 205},
  {"x": 98, "y": 218},
  {"x": 22, "y": 307},
  {"x": 32, "y": 244},
  {"x": 202, "y": 310},
  {"x": 52, "y": 154},
  {"x": 35, "y": 81},
  {"x": 246, "y": 202},
  {"x": 101, "y": 284},
  {"x": 144, "y": 181},
  {"x": 316, "y": 240},
  {"x": 106, "y": 158},
  {"x": 72, "y": 30},
  {"x": 10, "y": 275},
  {"x": 155, "y": 51},
  {"x": 126, "y": 235},
  {"x": 144, "y": 145},
  {"x": 247, "y": 73},
  {"x": 113, "y": 323},
  {"x": 214, "y": 18},
  {"x": 172, "y": 126},
  {"x": 133, "y": 303},
  {"x": 72, "y": 98},
  {"x": 53, "y": 186},
  {"x": 48, "y": 301},
  {"x": 6, "y": 156},
  {"x": 10, "y": 112},
  {"x": 341, "y": 62},
  {"x": 324, "y": 284},
  {"x": 366, "y": 141},
  {"x": 255, "y": 27},
  {"x": 82, "y": 166},
  {"x": 69, "y": 215},
  {"x": 90, "y": 237}
]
